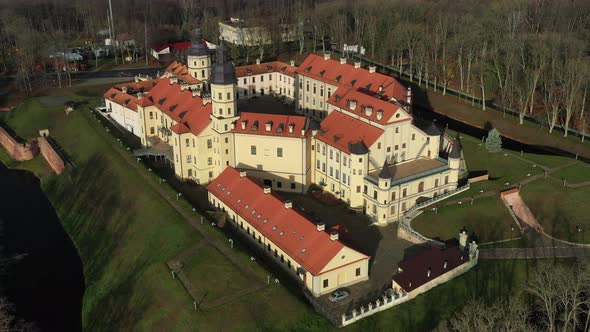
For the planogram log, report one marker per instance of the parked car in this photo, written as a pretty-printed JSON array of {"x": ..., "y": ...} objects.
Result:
[{"x": 339, "y": 295}]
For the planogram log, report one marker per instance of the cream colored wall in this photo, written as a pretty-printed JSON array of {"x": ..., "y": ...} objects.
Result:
[
  {"x": 201, "y": 170},
  {"x": 338, "y": 275},
  {"x": 274, "y": 82},
  {"x": 149, "y": 117},
  {"x": 126, "y": 117},
  {"x": 308, "y": 101},
  {"x": 293, "y": 167},
  {"x": 199, "y": 67}
]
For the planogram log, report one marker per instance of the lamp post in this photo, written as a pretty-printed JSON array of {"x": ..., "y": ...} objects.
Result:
[
  {"x": 231, "y": 243},
  {"x": 178, "y": 196}
]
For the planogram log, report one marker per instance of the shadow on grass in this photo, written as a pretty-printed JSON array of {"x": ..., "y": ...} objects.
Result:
[{"x": 97, "y": 215}]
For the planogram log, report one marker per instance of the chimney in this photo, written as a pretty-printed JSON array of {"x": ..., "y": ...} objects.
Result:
[
  {"x": 380, "y": 88},
  {"x": 242, "y": 174},
  {"x": 124, "y": 89},
  {"x": 357, "y": 64},
  {"x": 333, "y": 236},
  {"x": 266, "y": 190},
  {"x": 369, "y": 110},
  {"x": 243, "y": 123},
  {"x": 342, "y": 61},
  {"x": 327, "y": 56},
  {"x": 258, "y": 61},
  {"x": 291, "y": 128},
  {"x": 136, "y": 79},
  {"x": 372, "y": 69},
  {"x": 379, "y": 114},
  {"x": 288, "y": 204},
  {"x": 428, "y": 272},
  {"x": 409, "y": 95},
  {"x": 352, "y": 104},
  {"x": 462, "y": 239},
  {"x": 139, "y": 95},
  {"x": 292, "y": 63},
  {"x": 268, "y": 126},
  {"x": 320, "y": 227},
  {"x": 445, "y": 264}
]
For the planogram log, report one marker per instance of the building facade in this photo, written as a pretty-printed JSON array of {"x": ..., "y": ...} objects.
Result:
[
  {"x": 317, "y": 259},
  {"x": 354, "y": 133}
]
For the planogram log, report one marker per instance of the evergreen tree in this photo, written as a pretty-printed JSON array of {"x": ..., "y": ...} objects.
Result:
[{"x": 494, "y": 141}]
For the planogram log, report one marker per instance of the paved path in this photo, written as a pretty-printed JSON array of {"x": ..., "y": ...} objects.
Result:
[
  {"x": 532, "y": 253},
  {"x": 521, "y": 210}
]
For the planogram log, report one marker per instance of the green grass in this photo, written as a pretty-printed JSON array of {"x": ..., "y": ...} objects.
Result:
[
  {"x": 487, "y": 218},
  {"x": 560, "y": 210},
  {"x": 573, "y": 174}
]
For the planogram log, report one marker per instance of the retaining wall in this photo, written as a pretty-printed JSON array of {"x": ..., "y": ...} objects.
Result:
[
  {"x": 51, "y": 156},
  {"x": 484, "y": 177},
  {"x": 18, "y": 151}
]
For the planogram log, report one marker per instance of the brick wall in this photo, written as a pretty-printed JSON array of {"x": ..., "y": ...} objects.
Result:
[
  {"x": 484, "y": 177},
  {"x": 18, "y": 151},
  {"x": 51, "y": 156}
]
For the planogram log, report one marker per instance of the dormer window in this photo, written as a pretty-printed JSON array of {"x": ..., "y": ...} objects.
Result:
[
  {"x": 303, "y": 250},
  {"x": 308, "y": 69},
  {"x": 173, "y": 107},
  {"x": 246, "y": 207},
  {"x": 265, "y": 221},
  {"x": 352, "y": 83},
  {"x": 113, "y": 95},
  {"x": 338, "y": 78},
  {"x": 274, "y": 228},
  {"x": 161, "y": 101},
  {"x": 281, "y": 233},
  {"x": 322, "y": 73},
  {"x": 255, "y": 125},
  {"x": 239, "y": 201}
]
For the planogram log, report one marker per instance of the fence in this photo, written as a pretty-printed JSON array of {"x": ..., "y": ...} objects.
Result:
[
  {"x": 385, "y": 302},
  {"x": 434, "y": 199}
]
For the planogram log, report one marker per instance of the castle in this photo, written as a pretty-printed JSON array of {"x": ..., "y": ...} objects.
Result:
[{"x": 353, "y": 132}]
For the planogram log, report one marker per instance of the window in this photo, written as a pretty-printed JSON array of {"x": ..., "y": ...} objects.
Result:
[
  {"x": 344, "y": 161},
  {"x": 209, "y": 144},
  {"x": 326, "y": 283},
  {"x": 226, "y": 140},
  {"x": 358, "y": 271},
  {"x": 317, "y": 164},
  {"x": 358, "y": 189},
  {"x": 324, "y": 167},
  {"x": 244, "y": 81},
  {"x": 269, "y": 77},
  {"x": 331, "y": 155},
  {"x": 189, "y": 158},
  {"x": 337, "y": 174},
  {"x": 405, "y": 192},
  {"x": 152, "y": 131},
  {"x": 365, "y": 189},
  {"x": 446, "y": 179},
  {"x": 279, "y": 152},
  {"x": 253, "y": 150},
  {"x": 404, "y": 206},
  {"x": 331, "y": 171},
  {"x": 209, "y": 161},
  {"x": 151, "y": 115},
  {"x": 253, "y": 79},
  {"x": 203, "y": 73},
  {"x": 187, "y": 142},
  {"x": 279, "y": 184},
  {"x": 396, "y": 147},
  {"x": 397, "y": 130},
  {"x": 261, "y": 78},
  {"x": 421, "y": 186},
  {"x": 389, "y": 149},
  {"x": 229, "y": 96},
  {"x": 379, "y": 145},
  {"x": 190, "y": 173},
  {"x": 292, "y": 185},
  {"x": 436, "y": 183},
  {"x": 210, "y": 175},
  {"x": 392, "y": 209},
  {"x": 375, "y": 194},
  {"x": 393, "y": 196},
  {"x": 427, "y": 140},
  {"x": 220, "y": 96},
  {"x": 413, "y": 137}
]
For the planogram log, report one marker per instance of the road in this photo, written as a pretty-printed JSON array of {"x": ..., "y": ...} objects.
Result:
[
  {"x": 117, "y": 73},
  {"x": 532, "y": 253}
]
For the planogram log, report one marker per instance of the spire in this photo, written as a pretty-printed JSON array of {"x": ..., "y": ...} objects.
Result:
[
  {"x": 385, "y": 173},
  {"x": 198, "y": 48},
  {"x": 456, "y": 149},
  {"x": 223, "y": 71},
  {"x": 221, "y": 53}
]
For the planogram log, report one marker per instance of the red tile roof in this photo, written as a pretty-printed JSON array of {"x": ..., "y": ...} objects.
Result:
[
  {"x": 340, "y": 131},
  {"x": 173, "y": 46},
  {"x": 415, "y": 269},
  {"x": 330, "y": 70},
  {"x": 286, "y": 228},
  {"x": 181, "y": 71},
  {"x": 129, "y": 99},
  {"x": 180, "y": 105},
  {"x": 390, "y": 112},
  {"x": 279, "y": 125},
  {"x": 267, "y": 67}
]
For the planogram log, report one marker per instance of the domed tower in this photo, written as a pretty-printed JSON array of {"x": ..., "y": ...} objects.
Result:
[
  {"x": 385, "y": 176},
  {"x": 223, "y": 90},
  {"x": 455, "y": 155},
  {"x": 199, "y": 59}
]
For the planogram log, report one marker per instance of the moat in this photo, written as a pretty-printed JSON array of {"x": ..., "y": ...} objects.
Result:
[{"x": 44, "y": 276}]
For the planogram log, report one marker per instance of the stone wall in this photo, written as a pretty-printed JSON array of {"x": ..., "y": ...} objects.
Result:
[
  {"x": 484, "y": 177},
  {"x": 18, "y": 151},
  {"x": 51, "y": 155}
]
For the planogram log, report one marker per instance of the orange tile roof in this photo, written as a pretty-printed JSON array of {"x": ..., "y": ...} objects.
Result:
[
  {"x": 129, "y": 99},
  {"x": 181, "y": 71},
  {"x": 332, "y": 72},
  {"x": 341, "y": 131},
  {"x": 343, "y": 95},
  {"x": 267, "y": 67},
  {"x": 297, "y": 236},
  {"x": 180, "y": 105},
  {"x": 279, "y": 125}
]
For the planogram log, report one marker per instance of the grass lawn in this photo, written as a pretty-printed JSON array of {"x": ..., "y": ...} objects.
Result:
[
  {"x": 577, "y": 173},
  {"x": 487, "y": 218},
  {"x": 560, "y": 210}
]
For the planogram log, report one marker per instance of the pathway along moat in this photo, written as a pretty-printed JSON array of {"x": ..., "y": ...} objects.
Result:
[{"x": 44, "y": 278}]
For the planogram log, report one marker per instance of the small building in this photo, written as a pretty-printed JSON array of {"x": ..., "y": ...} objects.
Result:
[{"x": 314, "y": 257}]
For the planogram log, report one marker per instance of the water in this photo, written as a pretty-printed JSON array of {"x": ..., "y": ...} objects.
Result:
[{"x": 45, "y": 279}]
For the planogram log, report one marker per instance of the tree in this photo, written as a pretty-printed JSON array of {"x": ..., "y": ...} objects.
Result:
[{"x": 494, "y": 141}]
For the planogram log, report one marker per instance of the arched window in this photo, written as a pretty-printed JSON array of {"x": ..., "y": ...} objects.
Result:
[{"x": 421, "y": 187}]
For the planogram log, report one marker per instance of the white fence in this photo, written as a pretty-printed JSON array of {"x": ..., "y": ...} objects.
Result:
[{"x": 383, "y": 303}]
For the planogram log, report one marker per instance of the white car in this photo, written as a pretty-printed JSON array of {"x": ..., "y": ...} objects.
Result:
[{"x": 339, "y": 295}]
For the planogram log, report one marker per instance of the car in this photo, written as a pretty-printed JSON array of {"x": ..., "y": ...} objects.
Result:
[{"x": 339, "y": 295}]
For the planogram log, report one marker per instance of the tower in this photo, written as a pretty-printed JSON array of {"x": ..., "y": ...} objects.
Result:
[
  {"x": 199, "y": 59},
  {"x": 385, "y": 176}
]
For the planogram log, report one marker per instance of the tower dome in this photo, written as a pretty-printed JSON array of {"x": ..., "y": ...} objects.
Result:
[
  {"x": 223, "y": 71},
  {"x": 198, "y": 48}
]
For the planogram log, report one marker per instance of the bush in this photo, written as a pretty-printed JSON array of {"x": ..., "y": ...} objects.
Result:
[{"x": 494, "y": 141}]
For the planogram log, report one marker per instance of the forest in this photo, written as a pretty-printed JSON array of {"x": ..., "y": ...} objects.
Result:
[{"x": 530, "y": 56}]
